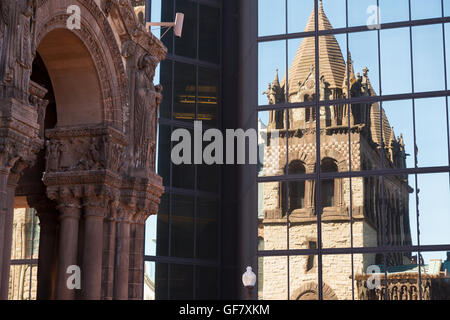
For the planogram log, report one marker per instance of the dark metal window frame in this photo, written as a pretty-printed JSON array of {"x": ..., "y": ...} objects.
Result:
[
  {"x": 318, "y": 176},
  {"x": 195, "y": 192}
]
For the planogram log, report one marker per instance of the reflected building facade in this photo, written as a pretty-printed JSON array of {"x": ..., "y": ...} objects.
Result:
[{"x": 292, "y": 135}]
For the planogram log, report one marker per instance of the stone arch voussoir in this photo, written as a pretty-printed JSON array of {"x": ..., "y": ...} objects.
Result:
[
  {"x": 312, "y": 289},
  {"x": 98, "y": 37}
]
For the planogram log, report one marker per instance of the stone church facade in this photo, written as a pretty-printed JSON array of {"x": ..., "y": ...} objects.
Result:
[
  {"x": 342, "y": 127},
  {"x": 77, "y": 142}
]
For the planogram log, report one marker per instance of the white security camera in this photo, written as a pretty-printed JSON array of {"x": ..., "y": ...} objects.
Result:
[{"x": 177, "y": 25}]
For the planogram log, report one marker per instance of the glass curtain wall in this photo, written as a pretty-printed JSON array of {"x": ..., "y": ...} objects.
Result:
[
  {"x": 353, "y": 185},
  {"x": 182, "y": 251}
]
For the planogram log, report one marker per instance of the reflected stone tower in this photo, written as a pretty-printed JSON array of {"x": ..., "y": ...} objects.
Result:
[{"x": 289, "y": 208}]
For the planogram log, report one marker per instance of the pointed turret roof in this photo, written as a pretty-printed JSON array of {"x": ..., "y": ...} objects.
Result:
[
  {"x": 349, "y": 68},
  {"x": 331, "y": 62},
  {"x": 276, "y": 81}
]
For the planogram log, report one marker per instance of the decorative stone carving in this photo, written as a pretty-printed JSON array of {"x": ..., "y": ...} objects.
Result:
[
  {"x": 78, "y": 149},
  {"x": 17, "y": 45},
  {"x": 147, "y": 99}
]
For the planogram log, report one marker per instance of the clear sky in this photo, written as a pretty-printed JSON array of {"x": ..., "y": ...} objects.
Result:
[{"x": 395, "y": 58}]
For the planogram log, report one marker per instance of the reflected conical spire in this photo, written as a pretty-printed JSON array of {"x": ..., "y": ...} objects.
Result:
[
  {"x": 331, "y": 62},
  {"x": 276, "y": 81},
  {"x": 349, "y": 69}
]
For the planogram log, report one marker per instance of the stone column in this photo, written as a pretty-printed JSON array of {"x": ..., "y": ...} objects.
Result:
[
  {"x": 7, "y": 220},
  {"x": 136, "y": 257},
  {"x": 48, "y": 245},
  {"x": 122, "y": 258},
  {"x": 3, "y": 215},
  {"x": 7, "y": 241},
  {"x": 94, "y": 214},
  {"x": 69, "y": 218},
  {"x": 109, "y": 246}
]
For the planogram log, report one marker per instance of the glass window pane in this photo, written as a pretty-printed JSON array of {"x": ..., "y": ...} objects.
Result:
[
  {"x": 181, "y": 282},
  {"x": 301, "y": 73},
  {"x": 208, "y": 96},
  {"x": 399, "y": 212},
  {"x": 336, "y": 226},
  {"x": 271, "y": 72},
  {"x": 363, "y": 50},
  {"x": 271, "y": 17},
  {"x": 300, "y": 207},
  {"x": 206, "y": 283},
  {"x": 399, "y": 134},
  {"x": 446, "y": 8},
  {"x": 395, "y": 61},
  {"x": 435, "y": 270},
  {"x": 22, "y": 282},
  {"x": 207, "y": 229},
  {"x": 162, "y": 281},
  {"x": 184, "y": 92},
  {"x": 332, "y": 66},
  {"x": 303, "y": 273},
  {"x": 164, "y": 148},
  {"x": 434, "y": 204},
  {"x": 431, "y": 132},
  {"x": 272, "y": 220},
  {"x": 392, "y": 276},
  {"x": 25, "y": 237},
  {"x": 368, "y": 276},
  {"x": 149, "y": 280},
  {"x": 150, "y": 235},
  {"x": 425, "y": 9},
  {"x": 183, "y": 175},
  {"x": 187, "y": 45},
  {"x": 428, "y": 56},
  {"x": 209, "y": 33},
  {"x": 300, "y": 15},
  {"x": 301, "y": 141},
  {"x": 271, "y": 143},
  {"x": 394, "y": 11},
  {"x": 337, "y": 277},
  {"x": 275, "y": 278},
  {"x": 182, "y": 227},
  {"x": 335, "y": 12},
  {"x": 362, "y": 12},
  {"x": 162, "y": 248}
]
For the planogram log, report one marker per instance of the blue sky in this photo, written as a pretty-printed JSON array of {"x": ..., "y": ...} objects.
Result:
[{"x": 429, "y": 74}]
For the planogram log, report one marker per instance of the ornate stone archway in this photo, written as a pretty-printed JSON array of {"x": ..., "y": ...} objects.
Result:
[
  {"x": 99, "y": 183},
  {"x": 310, "y": 291}
]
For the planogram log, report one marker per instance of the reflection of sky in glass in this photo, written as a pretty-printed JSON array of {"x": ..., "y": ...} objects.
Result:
[{"x": 429, "y": 75}]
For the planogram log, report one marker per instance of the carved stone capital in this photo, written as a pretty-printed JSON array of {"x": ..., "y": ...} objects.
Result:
[
  {"x": 95, "y": 200},
  {"x": 68, "y": 200}
]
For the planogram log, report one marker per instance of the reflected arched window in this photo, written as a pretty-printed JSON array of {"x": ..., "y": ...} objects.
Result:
[
  {"x": 310, "y": 113},
  {"x": 296, "y": 196},
  {"x": 327, "y": 186},
  {"x": 141, "y": 17}
]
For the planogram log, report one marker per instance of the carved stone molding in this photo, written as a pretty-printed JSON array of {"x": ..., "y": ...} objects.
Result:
[{"x": 84, "y": 150}]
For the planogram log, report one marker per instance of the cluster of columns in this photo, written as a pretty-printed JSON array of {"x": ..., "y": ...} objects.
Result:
[{"x": 88, "y": 227}]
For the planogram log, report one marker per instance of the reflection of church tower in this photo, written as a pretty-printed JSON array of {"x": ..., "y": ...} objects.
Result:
[{"x": 295, "y": 200}]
